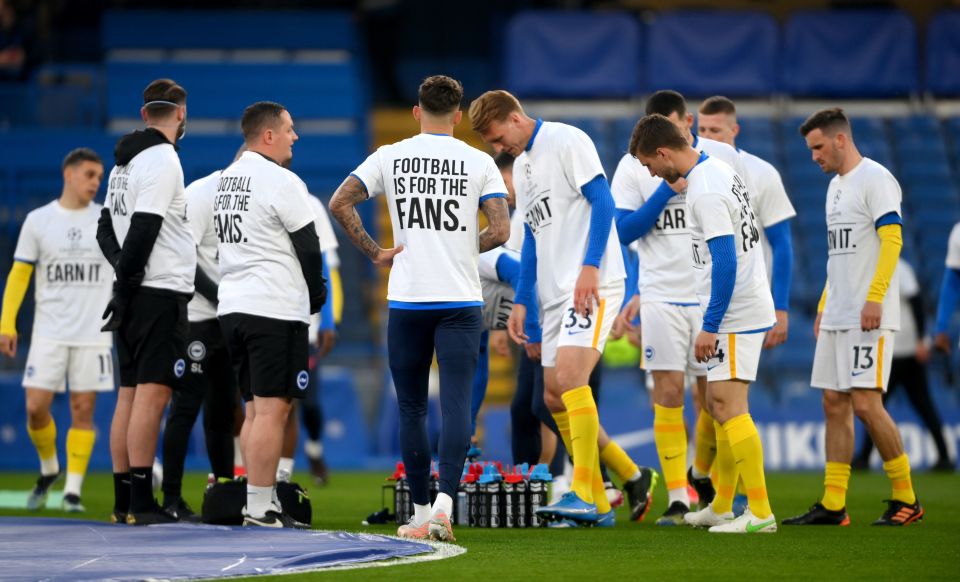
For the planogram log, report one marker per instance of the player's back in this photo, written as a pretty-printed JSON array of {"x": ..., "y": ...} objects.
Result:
[
  {"x": 256, "y": 206},
  {"x": 434, "y": 186},
  {"x": 548, "y": 178},
  {"x": 719, "y": 205}
]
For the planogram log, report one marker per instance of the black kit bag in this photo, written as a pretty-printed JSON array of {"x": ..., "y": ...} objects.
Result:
[{"x": 223, "y": 502}]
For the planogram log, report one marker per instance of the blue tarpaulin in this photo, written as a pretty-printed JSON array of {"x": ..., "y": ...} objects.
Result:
[{"x": 88, "y": 550}]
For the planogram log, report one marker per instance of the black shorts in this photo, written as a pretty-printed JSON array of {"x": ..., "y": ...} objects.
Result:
[
  {"x": 269, "y": 355},
  {"x": 208, "y": 362},
  {"x": 152, "y": 339}
]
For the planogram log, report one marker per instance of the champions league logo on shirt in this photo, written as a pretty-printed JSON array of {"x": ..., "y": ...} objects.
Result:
[{"x": 302, "y": 379}]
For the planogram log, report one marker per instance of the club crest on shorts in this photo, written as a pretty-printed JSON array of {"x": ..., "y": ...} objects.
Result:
[
  {"x": 179, "y": 367},
  {"x": 302, "y": 379},
  {"x": 197, "y": 351},
  {"x": 30, "y": 371},
  {"x": 648, "y": 353}
]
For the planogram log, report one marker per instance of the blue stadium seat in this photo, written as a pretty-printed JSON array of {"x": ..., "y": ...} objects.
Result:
[
  {"x": 741, "y": 58},
  {"x": 229, "y": 29},
  {"x": 911, "y": 125},
  {"x": 943, "y": 53},
  {"x": 924, "y": 193},
  {"x": 223, "y": 90},
  {"x": 925, "y": 171},
  {"x": 573, "y": 54},
  {"x": 850, "y": 53}
]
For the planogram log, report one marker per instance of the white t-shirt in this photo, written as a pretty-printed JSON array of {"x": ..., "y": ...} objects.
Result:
[
  {"x": 905, "y": 345},
  {"x": 200, "y": 194},
  {"x": 547, "y": 179},
  {"x": 434, "y": 186},
  {"x": 256, "y": 205},
  {"x": 719, "y": 204},
  {"x": 497, "y": 295},
  {"x": 153, "y": 183},
  {"x": 855, "y": 202},
  {"x": 328, "y": 239},
  {"x": 768, "y": 198},
  {"x": 328, "y": 245},
  {"x": 661, "y": 277},
  {"x": 953, "y": 248},
  {"x": 73, "y": 279}
]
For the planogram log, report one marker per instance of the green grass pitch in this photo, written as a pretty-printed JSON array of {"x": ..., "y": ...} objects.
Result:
[{"x": 930, "y": 550}]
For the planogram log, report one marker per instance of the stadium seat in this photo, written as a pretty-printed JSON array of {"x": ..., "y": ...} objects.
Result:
[
  {"x": 850, "y": 53},
  {"x": 233, "y": 29},
  {"x": 943, "y": 53},
  {"x": 573, "y": 54},
  {"x": 741, "y": 58}
]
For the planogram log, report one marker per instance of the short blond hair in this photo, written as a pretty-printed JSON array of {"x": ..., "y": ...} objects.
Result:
[{"x": 492, "y": 106}]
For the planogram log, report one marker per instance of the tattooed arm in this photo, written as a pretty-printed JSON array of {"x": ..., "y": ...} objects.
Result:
[
  {"x": 498, "y": 223},
  {"x": 348, "y": 195}
]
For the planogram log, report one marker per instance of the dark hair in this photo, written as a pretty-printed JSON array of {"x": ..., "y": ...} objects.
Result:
[
  {"x": 80, "y": 155},
  {"x": 666, "y": 102},
  {"x": 504, "y": 160},
  {"x": 717, "y": 104},
  {"x": 440, "y": 94},
  {"x": 159, "y": 95},
  {"x": 828, "y": 121},
  {"x": 258, "y": 117},
  {"x": 655, "y": 131}
]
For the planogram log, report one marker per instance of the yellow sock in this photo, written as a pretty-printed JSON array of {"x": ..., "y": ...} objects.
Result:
[
  {"x": 563, "y": 425},
  {"x": 79, "y": 448},
  {"x": 584, "y": 428},
  {"x": 726, "y": 473},
  {"x": 835, "y": 483},
  {"x": 899, "y": 472},
  {"x": 670, "y": 437},
  {"x": 617, "y": 460},
  {"x": 741, "y": 488},
  {"x": 45, "y": 441},
  {"x": 748, "y": 455},
  {"x": 705, "y": 447},
  {"x": 599, "y": 491}
]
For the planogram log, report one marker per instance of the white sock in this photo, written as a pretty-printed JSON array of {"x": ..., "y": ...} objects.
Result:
[
  {"x": 443, "y": 504},
  {"x": 237, "y": 453},
  {"x": 49, "y": 466},
  {"x": 421, "y": 513},
  {"x": 635, "y": 476},
  {"x": 697, "y": 474},
  {"x": 285, "y": 465},
  {"x": 259, "y": 500},
  {"x": 313, "y": 449},
  {"x": 74, "y": 482},
  {"x": 679, "y": 494}
]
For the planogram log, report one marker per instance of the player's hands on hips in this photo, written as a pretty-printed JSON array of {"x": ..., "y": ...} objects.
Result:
[
  {"x": 623, "y": 324},
  {"x": 326, "y": 339},
  {"x": 816, "y": 325},
  {"x": 500, "y": 343},
  {"x": 679, "y": 186},
  {"x": 705, "y": 347},
  {"x": 518, "y": 315},
  {"x": 870, "y": 316},
  {"x": 587, "y": 290},
  {"x": 8, "y": 345},
  {"x": 941, "y": 342},
  {"x": 385, "y": 257},
  {"x": 778, "y": 333},
  {"x": 533, "y": 350}
]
